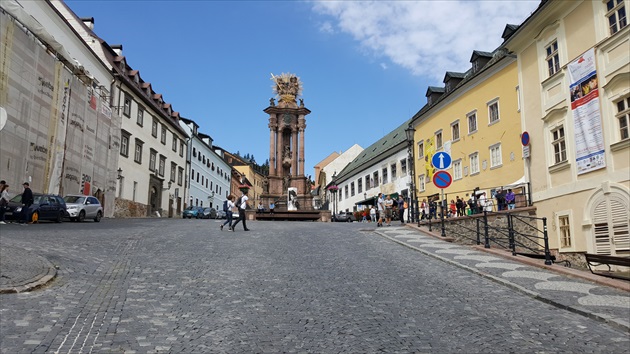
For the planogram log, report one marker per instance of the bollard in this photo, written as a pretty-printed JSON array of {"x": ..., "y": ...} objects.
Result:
[{"x": 546, "y": 238}]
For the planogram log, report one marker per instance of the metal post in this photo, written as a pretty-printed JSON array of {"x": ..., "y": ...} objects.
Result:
[
  {"x": 511, "y": 234},
  {"x": 546, "y": 238},
  {"x": 529, "y": 194},
  {"x": 478, "y": 232},
  {"x": 442, "y": 202},
  {"x": 485, "y": 230},
  {"x": 430, "y": 224}
]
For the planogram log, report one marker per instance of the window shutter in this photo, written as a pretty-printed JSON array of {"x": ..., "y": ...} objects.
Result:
[
  {"x": 620, "y": 228},
  {"x": 602, "y": 236}
]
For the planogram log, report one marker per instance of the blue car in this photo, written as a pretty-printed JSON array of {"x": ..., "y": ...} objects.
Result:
[{"x": 192, "y": 212}]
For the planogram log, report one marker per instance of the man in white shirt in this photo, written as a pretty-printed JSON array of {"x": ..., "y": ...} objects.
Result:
[
  {"x": 380, "y": 204},
  {"x": 241, "y": 211}
]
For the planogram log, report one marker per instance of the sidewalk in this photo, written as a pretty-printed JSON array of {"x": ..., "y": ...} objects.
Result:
[
  {"x": 22, "y": 270},
  {"x": 597, "y": 297}
]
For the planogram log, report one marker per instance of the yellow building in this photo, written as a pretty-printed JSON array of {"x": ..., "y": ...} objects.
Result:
[
  {"x": 475, "y": 119},
  {"x": 574, "y": 78}
]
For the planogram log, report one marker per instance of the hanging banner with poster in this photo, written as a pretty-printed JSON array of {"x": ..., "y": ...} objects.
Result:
[{"x": 589, "y": 138}]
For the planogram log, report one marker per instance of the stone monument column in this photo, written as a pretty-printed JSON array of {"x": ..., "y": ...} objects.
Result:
[
  {"x": 294, "y": 153},
  {"x": 272, "y": 144},
  {"x": 302, "y": 128}
]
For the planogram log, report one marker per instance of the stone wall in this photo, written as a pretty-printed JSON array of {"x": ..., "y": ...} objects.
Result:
[{"x": 129, "y": 209}]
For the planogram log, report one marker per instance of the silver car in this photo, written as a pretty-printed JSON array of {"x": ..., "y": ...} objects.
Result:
[{"x": 83, "y": 206}]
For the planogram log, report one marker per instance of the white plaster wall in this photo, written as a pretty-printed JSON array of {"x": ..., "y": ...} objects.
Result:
[{"x": 397, "y": 185}]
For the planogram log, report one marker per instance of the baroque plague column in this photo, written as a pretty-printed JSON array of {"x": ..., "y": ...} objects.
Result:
[{"x": 287, "y": 186}]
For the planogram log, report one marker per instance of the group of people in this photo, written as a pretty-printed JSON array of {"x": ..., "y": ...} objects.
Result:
[
  {"x": 261, "y": 208},
  {"x": 385, "y": 210},
  {"x": 475, "y": 202},
  {"x": 240, "y": 205},
  {"x": 27, "y": 201}
]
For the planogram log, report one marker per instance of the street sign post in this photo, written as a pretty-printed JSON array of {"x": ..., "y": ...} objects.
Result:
[
  {"x": 442, "y": 179},
  {"x": 525, "y": 138},
  {"x": 441, "y": 160}
]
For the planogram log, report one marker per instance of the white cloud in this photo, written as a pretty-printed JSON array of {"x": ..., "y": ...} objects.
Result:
[
  {"x": 384, "y": 66},
  {"x": 326, "y": 27},
  {"x": 426, "y": 37}
]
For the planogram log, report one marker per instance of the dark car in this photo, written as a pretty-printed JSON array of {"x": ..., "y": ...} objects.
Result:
[
  {"x": 208, "y": 213},
  {"x": 192, "y": 212},
  {"x": 44, "y": 207}
]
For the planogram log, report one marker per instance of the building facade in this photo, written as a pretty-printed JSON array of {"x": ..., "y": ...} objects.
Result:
[
  {"x": 574, "y": 77},
  {"x": 209, "y": 175},
  {"x": 382, "y": 167},
  {"x": 60, "y": 134},
  {"x": 475, "y": 119}
]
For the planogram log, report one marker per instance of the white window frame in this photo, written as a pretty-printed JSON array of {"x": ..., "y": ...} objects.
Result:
[
  {"x": 494, "y": 102},
  {"x": 152, "y": 159},
  {"x": 559, "y": 155},
  {"x": 422, "y": 183},
  {"x": 137, "y": 156},
  {"x": 393, "y": 171},
  {"x": 163, "y": 135},
  {"x": 496, "y": 160},
  {"x": 622, "y": 116},
  {"x": 457, "y": 169},
  {"x": 439, "y": 140},
  {"x": 421, "y": 150},
  {"x": 470, "y": 115},
  {"x": 403, "y": 167},
  {"x": 127, "y": 105},
  {"x": 474, "y": 163},
  {"x": 552, "y": 57},
  {"x": 384, "y": 175},
  {"x": 614, "y": 11},
  {"x": 162, "y": 165},
  {"x": 455, "y": 131},
  {"x": 140, "y": 116},
  {"x": 352, "y": 189},
  {"x": 561, "y": 227},
  {"x": 154, "y": 127},
  {"x": 124, "y": 144}
]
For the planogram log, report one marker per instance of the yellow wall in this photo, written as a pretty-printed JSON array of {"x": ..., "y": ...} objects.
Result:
[{"x": 507, "y": 130}]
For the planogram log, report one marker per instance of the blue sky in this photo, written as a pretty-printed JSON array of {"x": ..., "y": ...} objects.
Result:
[{"x": 365, "y": 66}]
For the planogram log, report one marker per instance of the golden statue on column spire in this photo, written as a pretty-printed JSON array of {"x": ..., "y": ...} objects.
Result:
[{"x": 287, "y": 87}]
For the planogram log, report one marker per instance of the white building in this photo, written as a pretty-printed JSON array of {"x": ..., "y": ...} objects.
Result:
[
  {"x": 383, "y": 167},
  {"x": 152, "y": 145},
  {"x": 209, "y": 175},
  {"x": 61, "y": 143}
]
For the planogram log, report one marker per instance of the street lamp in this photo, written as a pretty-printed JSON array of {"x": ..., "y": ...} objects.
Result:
[{"x": 410, "y": 132}]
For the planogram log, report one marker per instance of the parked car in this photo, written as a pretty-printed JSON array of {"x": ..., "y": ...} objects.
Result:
[
  {"x": 208, "y": 213},
  {"x": 81, "y": 207},
  {"x": 221, "y": 214},
  {"x": 44, "y": 207},
  {"x": 192, "y": 212},
  {"x": 345, "y": 216}
]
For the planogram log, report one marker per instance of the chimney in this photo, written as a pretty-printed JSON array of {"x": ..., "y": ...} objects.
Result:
[
  {"x": 118, "y": 48},
  {"x": 89, "y": 22}
]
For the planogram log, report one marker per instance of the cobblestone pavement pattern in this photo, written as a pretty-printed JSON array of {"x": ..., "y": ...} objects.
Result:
[{"x": 183, "y": 286}]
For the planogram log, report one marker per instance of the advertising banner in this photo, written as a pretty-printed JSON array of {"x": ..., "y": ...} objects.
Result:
[{"x": 589, "y": 138}]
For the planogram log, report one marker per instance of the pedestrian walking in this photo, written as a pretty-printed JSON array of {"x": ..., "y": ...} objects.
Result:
[
  {"x": 500, "y": 196},
  {"x": 228, "y": 212},
  {"x": 373, "y": 214},
  {"x": 241, "y": 204},
  {"x": 453, "y": 209},
  {"x": 389, "y": 206},
  {"x": 424, "y": 208},
  {"x": 272, "y": 206},
  {"x": 27, "y": 201},
  {"x": 4, "y": 200},
  {"x": 380, "y": 204},
  {"x": 401, "y": 209}
]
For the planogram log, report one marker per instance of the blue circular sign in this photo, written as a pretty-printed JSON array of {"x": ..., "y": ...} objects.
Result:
[
  {"x": 442, "y": 179},
  {"x": 525, "y": 138},
  {"x": 441, "y": 160}
]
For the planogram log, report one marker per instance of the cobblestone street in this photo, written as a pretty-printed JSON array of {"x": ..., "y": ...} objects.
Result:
[{"x": 184, "y": 286}]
